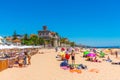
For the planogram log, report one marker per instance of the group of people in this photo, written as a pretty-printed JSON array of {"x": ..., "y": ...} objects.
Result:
[
  {"x": 23, "y": 59},
  {"x": 18, "y": 57},
  {"x": 65, "y": 54}
]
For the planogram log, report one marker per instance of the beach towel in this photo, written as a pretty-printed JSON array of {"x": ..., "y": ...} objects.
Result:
[
  {"x": 65, "y": 67},
  {"x": 75, "y": 70}
]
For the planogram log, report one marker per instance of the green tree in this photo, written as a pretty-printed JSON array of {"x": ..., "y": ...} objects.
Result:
[
  {"x": 72, "y": 44},
  {"x": 34, "y": 39},
  {"x": 67, "y": 42},
  {"x": 41, "y": 41},
  {"x": 14, "y": 35},
  {"x": 64, "y": 40},
  {"x": 25, "y": 39},
  {"x": 48, "y": 41}
]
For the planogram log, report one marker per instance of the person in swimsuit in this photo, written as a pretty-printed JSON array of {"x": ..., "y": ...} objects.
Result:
[
  {"x": 73, "y": 57},
  {"x": 116, "y": 54}
]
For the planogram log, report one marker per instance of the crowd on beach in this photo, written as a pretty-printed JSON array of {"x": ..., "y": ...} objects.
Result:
[
  {"x": 90, "y": 54},
  {"x": 18, "y": 57}
]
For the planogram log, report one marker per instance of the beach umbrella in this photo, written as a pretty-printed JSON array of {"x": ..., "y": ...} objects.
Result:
[
  {"x": 91, "y": 55},
  {"x": 62, "y": 54},
  {"x": 86, "y": 52},
  {"x": 70, "y": 49},
  {"x": 106, "y": 50}
]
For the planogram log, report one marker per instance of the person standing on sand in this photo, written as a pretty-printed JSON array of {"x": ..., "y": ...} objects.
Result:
[
  {"x": 56, "y": 49},
  {"x": 67, "y": 55},
  {"x": 25, "y": 58},
  {"x": 116, "y": 54},
  {"x": 73, "y": 57},
  {"x": 29, "y": 58}
]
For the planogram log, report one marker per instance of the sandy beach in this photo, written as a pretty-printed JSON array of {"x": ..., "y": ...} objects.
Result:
[{"x": 46, "y": 67}]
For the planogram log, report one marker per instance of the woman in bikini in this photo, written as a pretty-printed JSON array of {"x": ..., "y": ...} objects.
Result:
[{"x": 73, "y": 57}]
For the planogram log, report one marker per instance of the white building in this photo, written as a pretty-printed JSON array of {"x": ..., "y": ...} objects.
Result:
[{"x": 1, "y": 40}]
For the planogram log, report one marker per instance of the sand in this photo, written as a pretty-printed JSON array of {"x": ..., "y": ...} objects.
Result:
[{"x": 46, "y": 67}]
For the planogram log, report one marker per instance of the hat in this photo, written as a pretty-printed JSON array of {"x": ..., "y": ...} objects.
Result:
[{"x": 62, "y": 49}]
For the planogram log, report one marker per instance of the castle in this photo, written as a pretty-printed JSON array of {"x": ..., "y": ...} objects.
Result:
[{"x": 48, "y": 35}]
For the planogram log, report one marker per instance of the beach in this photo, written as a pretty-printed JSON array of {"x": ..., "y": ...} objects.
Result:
[{"x": 46, "y": 67}]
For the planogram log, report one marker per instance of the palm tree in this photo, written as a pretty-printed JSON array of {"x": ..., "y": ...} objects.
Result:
[{"x": 34, "y": 39}]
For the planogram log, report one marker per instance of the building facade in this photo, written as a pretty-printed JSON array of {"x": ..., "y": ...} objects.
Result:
[{"x": 49, "y": 35}]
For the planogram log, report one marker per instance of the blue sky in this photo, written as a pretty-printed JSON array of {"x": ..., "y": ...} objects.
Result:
[{"x": 91, "y": 22}]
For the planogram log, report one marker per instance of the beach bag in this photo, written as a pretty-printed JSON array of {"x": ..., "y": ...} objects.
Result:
[
  {"x": 67, "y": 56},
  {"x": 64, "y": 63}
]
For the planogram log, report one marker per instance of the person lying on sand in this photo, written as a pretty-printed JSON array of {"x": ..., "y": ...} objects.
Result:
[
  {"x": 116, "y": 63},
  {"x": 108, "y": 59},
  {"x": 95, "y": 60},
  {"x": 89, "y": 58}
]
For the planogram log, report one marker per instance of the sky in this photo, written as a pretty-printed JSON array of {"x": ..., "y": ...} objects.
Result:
[{"x": 88, "y": 22}]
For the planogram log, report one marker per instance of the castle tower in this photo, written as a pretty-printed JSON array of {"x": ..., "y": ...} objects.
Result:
[{"x": 44, "y": 28}]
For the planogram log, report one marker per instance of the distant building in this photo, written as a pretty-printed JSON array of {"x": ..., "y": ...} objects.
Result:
[
  {"x": 10, "y": 41},
  {"x": 20, "y": 36},
  {"x": 1, "y": 40},
  {"x": 47, "y": 35}
]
